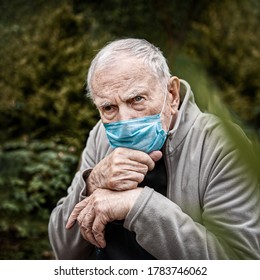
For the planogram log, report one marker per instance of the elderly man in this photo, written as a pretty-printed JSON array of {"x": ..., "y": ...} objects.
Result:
[{"x": 157, "y": 180}]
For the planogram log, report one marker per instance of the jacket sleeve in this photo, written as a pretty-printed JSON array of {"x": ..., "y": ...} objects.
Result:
[
  {"x": 230, "y": 216},
  {"x": 69, "y": 244}
]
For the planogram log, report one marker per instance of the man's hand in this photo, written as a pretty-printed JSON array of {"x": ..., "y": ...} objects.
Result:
[
  {"x": 123, "y": 169},
  {"x": 112, "y": 190},
  {"x": 102, "y": 207}
]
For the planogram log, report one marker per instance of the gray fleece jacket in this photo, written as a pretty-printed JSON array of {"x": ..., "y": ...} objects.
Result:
[{"x": 212, "y": 208}]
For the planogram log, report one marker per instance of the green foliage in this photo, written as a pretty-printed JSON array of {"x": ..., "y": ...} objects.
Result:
[
  {"x": 164, "y": 23},
  {"x": 226, "y": 40},
  {"x": 43, "y": 91},
  {"x": 32, "y": 176}
]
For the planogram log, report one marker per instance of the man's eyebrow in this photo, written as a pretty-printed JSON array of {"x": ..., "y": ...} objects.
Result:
[
  {"x": 104, "y": 104},
  {"x": 131, "y": 95},
  {"x": 135, "y": 93}
]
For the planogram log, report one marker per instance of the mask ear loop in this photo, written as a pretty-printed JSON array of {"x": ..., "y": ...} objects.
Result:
[
  {"x": 165, "y": 95},
  {"x": 164, "y": 102}
]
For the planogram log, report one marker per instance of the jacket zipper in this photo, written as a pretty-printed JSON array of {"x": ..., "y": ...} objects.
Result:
[{"x": 167, "y": 167}]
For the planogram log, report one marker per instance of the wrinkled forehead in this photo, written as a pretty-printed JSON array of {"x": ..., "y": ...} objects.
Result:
[
  {"x": 123, "y": 71},
  {"x": 121, "y": 64}
]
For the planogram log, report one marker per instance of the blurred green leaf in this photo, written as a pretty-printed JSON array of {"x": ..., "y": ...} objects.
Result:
[{"x": 34, "y": 176}]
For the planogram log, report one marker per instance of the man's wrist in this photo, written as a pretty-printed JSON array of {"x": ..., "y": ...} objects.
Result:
[{"x": 89, "y": 186}]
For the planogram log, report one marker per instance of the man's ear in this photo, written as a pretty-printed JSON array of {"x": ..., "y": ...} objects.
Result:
[{"x": 174, "y": 90}]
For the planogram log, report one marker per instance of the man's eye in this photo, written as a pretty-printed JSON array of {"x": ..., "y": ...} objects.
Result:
[
  {"x": 138, "y": 98},
  {"x": 107, "y": 108}
]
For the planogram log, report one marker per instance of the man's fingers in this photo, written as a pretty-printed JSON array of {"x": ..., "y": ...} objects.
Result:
[
  {"x": 86, "y": 213},
  {"x": 92, "y": 225},
  {"x": 85, "y": 221},
  {"x": 155, "y": 155},
  {"x": 76, "y": 211},
  {"x": 134, "y": 155},
  {"x": 88, "y": 236},
  {"x": 72, "y": 219},
  {"x": 98, "y": 230}
]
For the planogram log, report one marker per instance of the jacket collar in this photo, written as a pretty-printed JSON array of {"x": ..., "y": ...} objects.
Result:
[{"x": 187, "y": 115}]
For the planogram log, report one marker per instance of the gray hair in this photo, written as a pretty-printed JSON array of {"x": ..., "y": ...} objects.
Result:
[{"x": 138, "y": 48}]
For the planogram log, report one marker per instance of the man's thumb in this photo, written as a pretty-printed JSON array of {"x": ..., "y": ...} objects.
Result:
[{"x": 155, "y": 155}]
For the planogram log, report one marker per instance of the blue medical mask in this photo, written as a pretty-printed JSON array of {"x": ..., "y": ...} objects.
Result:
[{"x": 143, "y": 134}]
